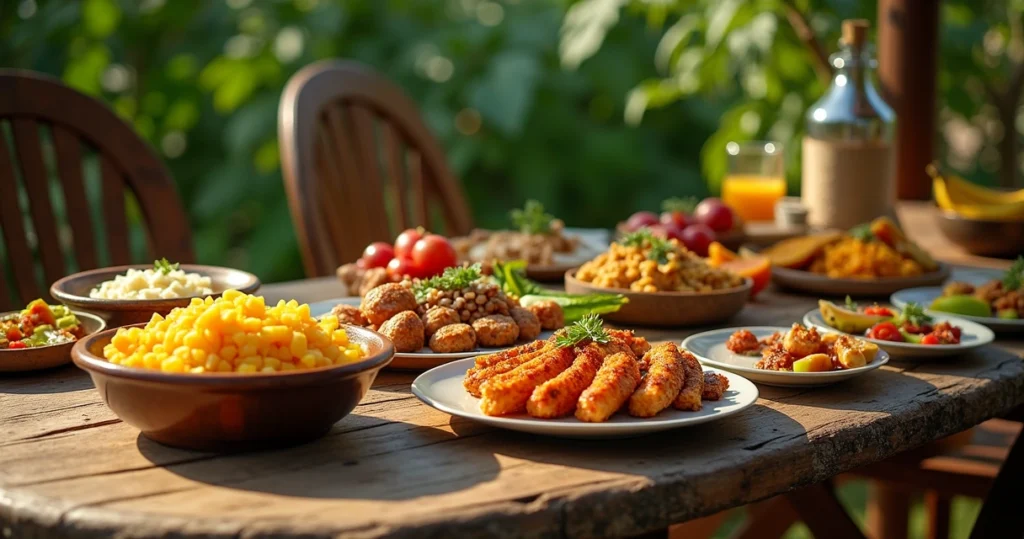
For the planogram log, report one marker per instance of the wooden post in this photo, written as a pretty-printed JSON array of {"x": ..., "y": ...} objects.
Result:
[{"x": 908, "y": 38}]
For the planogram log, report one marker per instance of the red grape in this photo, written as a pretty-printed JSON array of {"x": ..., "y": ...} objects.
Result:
[
  {"x": 639, "y": 220},
  {"x": 667, "y": 231},
  {"x": 378, "y": 254},
  {"x": 677, "y": 219},
  {"x": 697, "y": 238},
  {"x": 715, "y": 214}
]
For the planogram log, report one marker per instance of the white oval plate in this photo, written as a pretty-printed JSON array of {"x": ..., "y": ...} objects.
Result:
[
  {"x": 441, "y": 388},
  {"x": 709, "y": 347},
  {"x": 926, "y": 294},
  {"x": 425, "y": 358},
  {"x": 972, "y": 336}
]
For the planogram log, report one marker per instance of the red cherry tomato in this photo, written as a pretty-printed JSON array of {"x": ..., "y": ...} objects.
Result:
[
  {"x": 876, "y": 310},
  {"x": 399, "y": 268},
  {"x": 432, "y": 254},
  {"x": 886, "y": 331},
  {"x": 405, "y": 242},
  {"x": 697, "y": 238},
  {"x": 378, "y": 254},
  {"x": 930, "y": 338},
  {"x": 17, "y": 345},
  {"x": 715, "y": 214},
  {"x": 640, "y": 219}
]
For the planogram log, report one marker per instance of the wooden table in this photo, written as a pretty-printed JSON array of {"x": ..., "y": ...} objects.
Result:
[{"x": 395, "y": 467}]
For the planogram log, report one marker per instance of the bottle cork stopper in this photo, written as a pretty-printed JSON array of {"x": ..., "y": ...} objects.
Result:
[{"x": 855, "y": 32}]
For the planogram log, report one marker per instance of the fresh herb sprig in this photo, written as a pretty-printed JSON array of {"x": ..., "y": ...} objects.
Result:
[
  {"x": 532, "y": 219},
  {"x": 850, "y": 304},
  {"x": 862, "y": 232},
  {"x": 589, "y": 327},
  {"x": 452, "y": 279},
  {"x": 1014, "y": 277},
  {"x": 164, "y": 266},
  {"x": 915, "y": 315},
  {"x": 683, "y": 204},
  {"x": 659, "y": 247}
]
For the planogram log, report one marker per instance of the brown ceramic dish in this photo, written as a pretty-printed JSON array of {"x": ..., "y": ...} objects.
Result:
[
  {"x": 669, "y": 308},
  {"x": 73, "y": 291},
  {"x": 821, "y": 285},
  {"x": 984, "y": 238},
  {"x": 233, "y": 412},
  {"x": 47, "y": 357}
]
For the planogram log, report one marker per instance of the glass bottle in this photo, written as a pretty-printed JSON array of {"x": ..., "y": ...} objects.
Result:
[{"x": 848, "y": 156}]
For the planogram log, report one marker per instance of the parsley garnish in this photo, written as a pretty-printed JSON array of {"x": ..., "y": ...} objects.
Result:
[
  {"x": 589, "y": 327},
  {"x": 915, "y": 314},
  {"x": 850, "y": 304},
  {"x": 452, "y": 279},
  {"x": 165, "y": 267},
  {"x": 659, "y": 247},
  {"x": 862, "y": 232},
  {"x": 685, "y": 205},
  {"x": 532, "y": 219},
  {"x": 1014, "y": 277}
]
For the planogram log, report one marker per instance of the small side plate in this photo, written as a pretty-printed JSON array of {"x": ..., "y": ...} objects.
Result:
[
  {"x": 972, "y": 336},
  {"x": 924, "y": 295}
]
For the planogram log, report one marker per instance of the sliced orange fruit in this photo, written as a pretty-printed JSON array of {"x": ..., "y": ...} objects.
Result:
[
  {"x": 758, "y": 268},
  {"x": 718, "y": 254}
]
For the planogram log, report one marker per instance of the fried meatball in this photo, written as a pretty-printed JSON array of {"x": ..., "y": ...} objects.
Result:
[
  {"x": 529, "y": 324},
  {"x": 349, "y": 314},
  {"x": 405, "y": 329},
  {"x": 549, "y": 313},
  {"x": 496, "y": 330},
  {"x": 438, "y": 317},
  {"x": 453, "y": 338},
  {"x": 385, "y": 301}
]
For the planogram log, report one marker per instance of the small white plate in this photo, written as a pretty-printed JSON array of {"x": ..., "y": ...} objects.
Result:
[
  {"x": 425, "y": 358},
  {"x": 441, "y": 388},
  {"x": 972, "y": 336},
  {"x": 709, "y": 347},
  {"x": 926, "y": 294}
]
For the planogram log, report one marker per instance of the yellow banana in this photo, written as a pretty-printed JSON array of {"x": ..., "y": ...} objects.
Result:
[
  {"x": 968, "y": 192},
  {"x": 975, "y": 202}
]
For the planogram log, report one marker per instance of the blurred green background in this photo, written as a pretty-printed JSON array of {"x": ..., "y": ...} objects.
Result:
[{"x": 598, "y": 108}]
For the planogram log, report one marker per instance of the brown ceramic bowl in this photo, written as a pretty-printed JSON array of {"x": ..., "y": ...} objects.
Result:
[
  {"x": 47, "y": 357},
  {"x": 73, "y": 291},
  {"x": 233, "y": 412},
  {"x": 981, "y": 237},
  {"x": 668, "y": 308}
]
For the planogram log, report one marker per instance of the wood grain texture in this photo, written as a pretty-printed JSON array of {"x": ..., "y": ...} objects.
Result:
[{"x": 398, "y": 468}]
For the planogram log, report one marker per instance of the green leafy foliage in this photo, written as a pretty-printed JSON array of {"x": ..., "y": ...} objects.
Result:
[
  {"x": 164, "y": 266},
  {"x": 532, "y": 219},
  {"x": 452, "y": 279},
  {"x": 1014, "y": 277},
  {"x": 658, "y": 248},
  {"x": 589, "y": 327}
]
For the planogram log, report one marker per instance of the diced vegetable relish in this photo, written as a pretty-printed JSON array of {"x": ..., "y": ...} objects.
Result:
[
  {"x": 234, "y": 333},
  {"x": 37, "y": 325}
]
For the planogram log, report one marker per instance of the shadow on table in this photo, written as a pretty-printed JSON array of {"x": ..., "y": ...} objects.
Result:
[
  {"x": 363, "y": 457},
  {"x": 61, "y": 379}
]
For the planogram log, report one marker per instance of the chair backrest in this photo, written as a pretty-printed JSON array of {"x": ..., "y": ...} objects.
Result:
[
  {"x": 359, "y": 164},
  {"x": 48, "y": 130}
]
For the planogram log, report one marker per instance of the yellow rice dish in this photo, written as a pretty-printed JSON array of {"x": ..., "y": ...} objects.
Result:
[
  {"x": 851, "y": 257},
  {"x": 234, "y": 333}
]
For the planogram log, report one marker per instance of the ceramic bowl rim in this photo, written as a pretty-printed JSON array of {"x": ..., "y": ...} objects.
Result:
[
  {"x": 80, "y": 314},
  {"x": 747, "y": 286}
]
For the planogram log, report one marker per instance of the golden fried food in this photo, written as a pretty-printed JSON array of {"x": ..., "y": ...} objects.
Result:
[
  {"x": 742, "y": 342},
  {"x": 349, "y": 314},
  {"x": 557, "y": 397},
  {"x": 661, "y": 384},
  {"x": 453, "y": 338},
  {"x": 800, "y": 341},
  {"x": 693, "y": 385},
  {"x": 529, "y": 324},
  {"x": 632, "y": 268},
  {"x": 488, "y": 360},
  {"x": 851, "y": 352},
  {"x": 638, "y": 345},
  {"x": 856, "y": 258},
  {"x": 438, "y": 317},
  {"x": 775, "y": 358},
  {"x": 549, "y": 313},
  {"x": 405, "y": 329},
  {"x": 508, "y": 393},
  {"x": 476, "y": 376},
  {"x": 387, "y": 300},
  {"x": 614, "y": 383},
  {"x": 715, "y": 386},
  {"x": 496, "y": 330}
]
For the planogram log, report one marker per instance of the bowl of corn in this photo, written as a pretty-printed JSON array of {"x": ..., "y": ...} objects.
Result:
[{"x": 233, "y": 373}]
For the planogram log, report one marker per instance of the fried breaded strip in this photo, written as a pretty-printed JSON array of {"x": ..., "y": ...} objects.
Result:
[
  {"x": 638, "y": 345},
  {"x": 666, "y": 372},
  {"x": 693, "y": 385},
  {"x": 714, "y": 386},
  {"x": 475, "y": 379},
  {"x": 557, "y": 397},
  {"x": 507, "y": 393},
  {"x": 488, "y": 360},
  {"x": 615, "y": 381}
]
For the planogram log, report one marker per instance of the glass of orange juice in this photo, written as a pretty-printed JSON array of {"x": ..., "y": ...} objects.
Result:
[{"x": 755, "y": 180}]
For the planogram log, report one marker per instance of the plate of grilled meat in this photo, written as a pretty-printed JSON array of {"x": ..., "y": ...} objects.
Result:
[{"x": 586, "y": 382}]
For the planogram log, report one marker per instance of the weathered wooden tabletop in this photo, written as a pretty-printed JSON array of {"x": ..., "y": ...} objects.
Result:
[{"x": 69, "y": 468}]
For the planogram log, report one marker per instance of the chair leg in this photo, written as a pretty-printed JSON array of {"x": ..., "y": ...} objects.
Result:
[
  {"x": 767, "y": 520},
  {"x": 821, "y": 512},
  {"x": 938, "y": 515},
  {"x": 888, "y": 509}
]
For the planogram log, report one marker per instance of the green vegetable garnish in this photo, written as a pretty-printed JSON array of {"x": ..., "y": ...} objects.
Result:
[
  {"x": 685, "y": 205},
  {"x": 914, "y": 314},
  {"x": 659, "y": 247},
  {"x": 850, "y": 304},
  {"x": 862, "y": 232},
  {"x": 1014, "y": 277},
  {"x": 452, "y": 279},
  {"x": 165, "y": 267},
  {"x": 532, "y": 219},
  {"x": 512, "y": 279},
  {"x": 589, "y": 327}
]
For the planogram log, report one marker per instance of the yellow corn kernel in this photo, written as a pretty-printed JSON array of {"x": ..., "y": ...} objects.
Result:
[
  {"x": 256, "y": 361},
  {"x": 229, "y": 352},
  {"x": 212, "y": 360},
  {"x": 352, "y": 354},
  {"x": 246, "y": 368},
  {"x": 230, "y": 295},
  {"x": 198, "y": 356},
  {"x": 224, "y": 366},
  {"x": 271, "y": 362},
  {"x": 249, "y": 349},
  {"x": 332, "y": 352},
  {"x": 197, "y": 370},
  {"x": 194, "y": 340},
  {"x": 284, "y": 353},
  {"x": 299, "y": 344},
  {"x": 287, "y": 367},
  {"x": 172, "y": 364},
  {"x": 255, "y": 306},
  {"x": 267, "y": 369},
  {"x": 252, "y": 325},
  {"x": 308, "y": 361}
]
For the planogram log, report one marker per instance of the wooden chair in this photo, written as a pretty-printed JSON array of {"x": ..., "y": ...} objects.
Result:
[
  {"x": 48, "y": 130},
  {"x": 359, "y": 164}
]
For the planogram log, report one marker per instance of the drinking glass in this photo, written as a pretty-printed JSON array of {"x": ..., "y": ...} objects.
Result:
[{"x": 755, "y": 180}]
